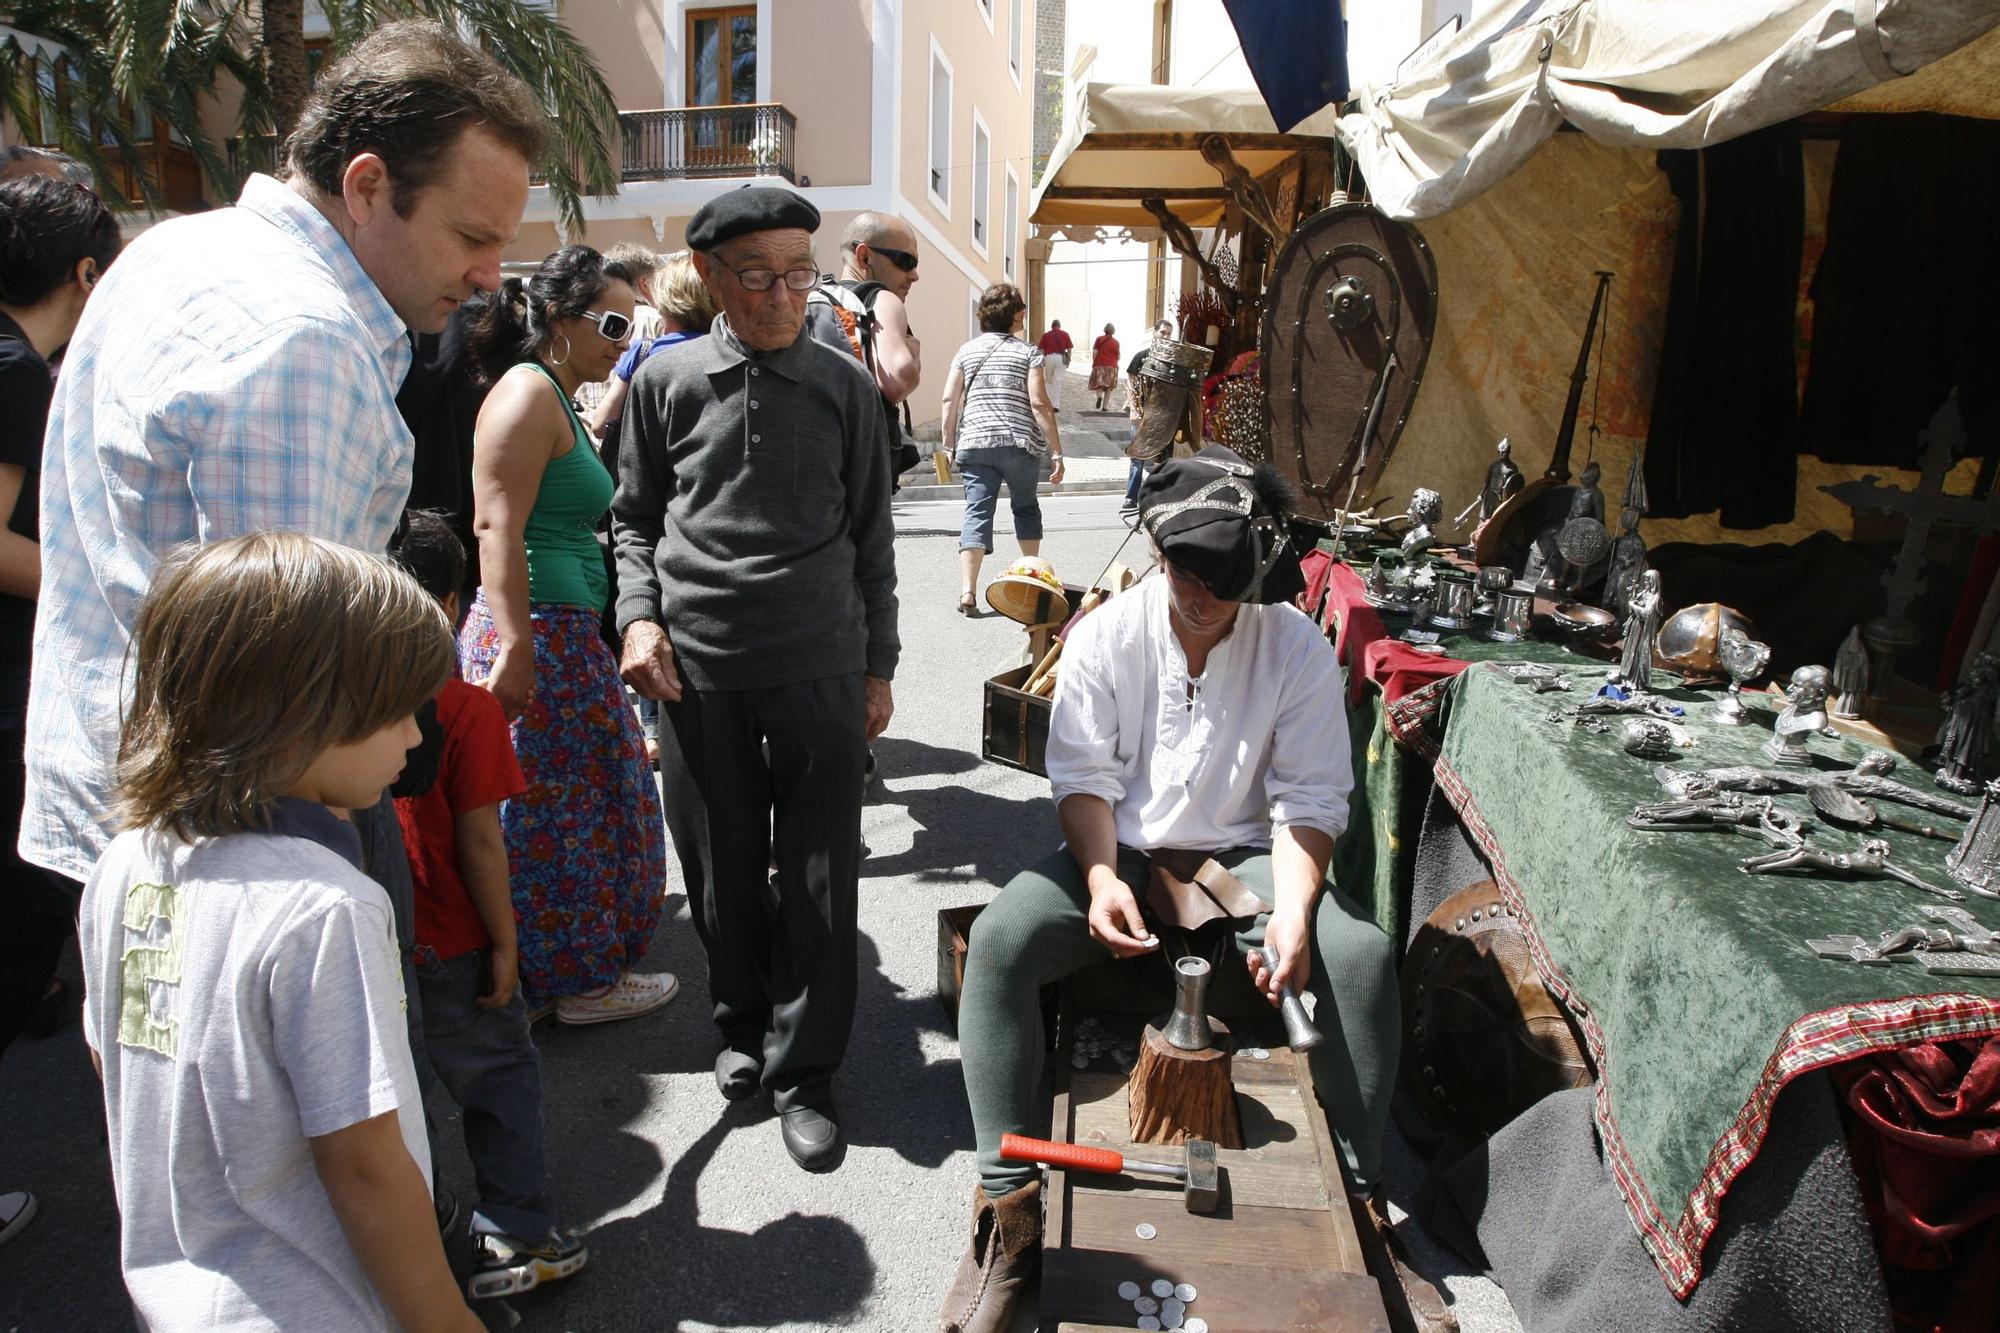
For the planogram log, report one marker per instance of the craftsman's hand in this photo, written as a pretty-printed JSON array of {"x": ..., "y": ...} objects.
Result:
[
  {"x": 647, "y": 662},
  {"x": 512, "y": 680},
  {"x": 881, "y": 705},
  {"x": 503, "y": 968},
  {"x": 1115, "y": 922},
  {"x": 1287, "y": 934}
]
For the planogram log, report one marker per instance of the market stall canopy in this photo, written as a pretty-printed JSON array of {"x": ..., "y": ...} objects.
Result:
[
  {"x": 1641, "y": 74},
  {"x": 1122, "y": 143}
]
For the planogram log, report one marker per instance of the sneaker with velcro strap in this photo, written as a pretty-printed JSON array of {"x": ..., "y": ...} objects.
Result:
[{"x": 508, "y": 1265}]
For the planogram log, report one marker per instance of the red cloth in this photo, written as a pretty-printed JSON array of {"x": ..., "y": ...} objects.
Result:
[
  {"x": 1358, "y": 625},
  {"x": 477, "y": 769},
  {"x": 1317, "y": 566},
  {"x": 1926, "y": 1145},
  {"x": 1104, "y": 352},
  {"x": 1400, "y": 669},
  {"x": 1054, "y": 343}
]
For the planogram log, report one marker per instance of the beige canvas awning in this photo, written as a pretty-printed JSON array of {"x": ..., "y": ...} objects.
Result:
[{"x": 1124, "y": 142}]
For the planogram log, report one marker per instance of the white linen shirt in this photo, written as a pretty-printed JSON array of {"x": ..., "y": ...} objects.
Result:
[
  {"x": 1257, "y": 743},
  {"x": 234, "y": 371}
]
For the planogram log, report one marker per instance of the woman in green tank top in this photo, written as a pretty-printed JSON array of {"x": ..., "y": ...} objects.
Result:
[{"x": 586, "y": 843}]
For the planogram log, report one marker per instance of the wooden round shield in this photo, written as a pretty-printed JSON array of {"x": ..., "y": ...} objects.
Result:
[
  {"x": 1348, "y": 318},
  {"x": 1483, "y": 1039}
]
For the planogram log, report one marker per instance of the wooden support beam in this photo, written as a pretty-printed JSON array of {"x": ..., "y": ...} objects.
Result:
[
  {"x": 1188, "y": 247},
  {"x": 1242, "y": 187},
  {"x": 1134, "y": 193},
  {"x": 1191, "y": 140}
]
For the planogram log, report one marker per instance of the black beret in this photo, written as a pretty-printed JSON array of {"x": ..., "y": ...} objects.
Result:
[
  {"x": 1223, "y": 521},
  {"x": 752, "y": 208}
]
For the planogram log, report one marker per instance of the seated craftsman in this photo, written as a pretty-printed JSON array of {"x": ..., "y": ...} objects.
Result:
[{"x": 1199, "y": 712}]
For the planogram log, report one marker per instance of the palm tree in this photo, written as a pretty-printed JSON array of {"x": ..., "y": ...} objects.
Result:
[{"x": 130, "y": 66}]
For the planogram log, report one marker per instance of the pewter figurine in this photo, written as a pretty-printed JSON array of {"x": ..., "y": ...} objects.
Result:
[
  {"x": 1628, "y": 562},
  {"x": 1975, "y": 861},
  {"x": 1968, "y": 725},
  {"x": 1744, "y": 659},
  {"x": 1868, "y": 861},
  {"x": 1968, "y": 950},
  {"x": 1760, "y": 818},
  {"x": 1642, "y": 622},
  {"x": 1850, "y": 678},
  {"x": 1805, "y": 713},
  {"x": 1502, "y": 480},
  {"x": 1864, "y": 779},
  {"x": 1426, "y": 506}
]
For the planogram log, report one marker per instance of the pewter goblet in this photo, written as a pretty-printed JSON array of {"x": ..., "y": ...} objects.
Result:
[
  {"x": 1744, "y": 659},
  {"x": 1491, "y": 579}
]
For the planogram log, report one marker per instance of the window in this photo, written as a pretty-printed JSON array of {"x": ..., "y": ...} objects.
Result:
[
  {"x": 985, "y": 12},
  {"x": 721, "y": 56},
  {"x": 939, "y": 181},
  {"x": 1010, "y": 226},
  {"x": 1014, "y": 38},
  {"x": 982, "y": 184}
]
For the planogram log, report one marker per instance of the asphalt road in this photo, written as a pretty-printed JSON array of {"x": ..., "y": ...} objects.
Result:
[{"x": 695, "y": 1216}]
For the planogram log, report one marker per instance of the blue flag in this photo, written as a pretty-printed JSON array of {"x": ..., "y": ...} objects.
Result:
[{"x": 1297, "y": 52}]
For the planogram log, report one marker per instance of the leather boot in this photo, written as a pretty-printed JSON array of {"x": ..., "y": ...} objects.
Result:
[{"x": 1005, "y": 1252}]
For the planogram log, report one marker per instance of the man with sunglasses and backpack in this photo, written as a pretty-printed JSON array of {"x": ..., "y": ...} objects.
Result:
[{"x": 863, "y": 310}]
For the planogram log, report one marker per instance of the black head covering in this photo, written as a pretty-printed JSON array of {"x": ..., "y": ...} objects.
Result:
[
  {"x": 1223, "y": 521},
  {"x": 752, "y": 208}
]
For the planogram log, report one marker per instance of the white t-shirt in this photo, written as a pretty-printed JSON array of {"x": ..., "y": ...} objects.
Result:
[
  {"x": 1258, "y": 744},
  {"x": 244, "y": 995}
]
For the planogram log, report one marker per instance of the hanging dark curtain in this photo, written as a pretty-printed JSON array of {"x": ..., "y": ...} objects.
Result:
[
  {"x": 1906, "y": 300},
  {"x": 1725, "y": 412}
]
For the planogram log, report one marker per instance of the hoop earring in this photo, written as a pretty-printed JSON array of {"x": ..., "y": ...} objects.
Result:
[{"x": 559, "y": 360}]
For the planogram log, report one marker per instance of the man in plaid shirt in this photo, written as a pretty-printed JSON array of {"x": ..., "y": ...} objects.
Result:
[{"x": 240, "y": 373}]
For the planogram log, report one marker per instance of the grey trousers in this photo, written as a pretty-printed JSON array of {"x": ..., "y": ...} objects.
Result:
[{"x": 1036, "y": 932}]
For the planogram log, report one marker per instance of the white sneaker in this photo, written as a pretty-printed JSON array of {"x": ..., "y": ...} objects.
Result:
[{"x": 630, "y": 996}]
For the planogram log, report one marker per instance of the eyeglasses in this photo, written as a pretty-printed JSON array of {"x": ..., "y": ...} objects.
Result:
[
  {"x": 762, "y": 279},
  {"x": 902, "y": 259},
  {"x": 614, "y": 326}
]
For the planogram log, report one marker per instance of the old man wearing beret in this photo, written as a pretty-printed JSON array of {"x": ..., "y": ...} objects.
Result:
[
  {"x": 1199, "y": 762},
  {"x": 757, "y": 599}
]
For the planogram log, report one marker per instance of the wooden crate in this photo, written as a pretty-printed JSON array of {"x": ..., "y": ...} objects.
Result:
[
  {"x": 1279, "y": 1255},
  {"x": 1016, "y": 727}
]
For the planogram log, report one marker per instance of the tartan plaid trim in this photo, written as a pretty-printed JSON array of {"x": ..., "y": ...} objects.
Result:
[
  {"x": 1406, "y": 718},
  {"x": 1827, "y": 1037}
]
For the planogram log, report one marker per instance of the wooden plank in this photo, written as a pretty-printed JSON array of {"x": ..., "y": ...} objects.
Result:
[
  {"x": 1334, "y": 1172},
  {"x": 1279, "y": 1239},
  {"x": 1134, "y": 193},
  {"x": 1191, "y": 140},
  {"x": 1239, "y": 1298}
]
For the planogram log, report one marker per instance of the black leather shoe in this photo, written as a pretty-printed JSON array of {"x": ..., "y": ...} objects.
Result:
[
  {"x": 737, "y": 1074},
  {"x": 812, "y": 1137}
]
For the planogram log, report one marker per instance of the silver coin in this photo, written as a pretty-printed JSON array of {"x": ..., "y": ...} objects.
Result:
[
  {"x": 1185, "y": 1293},
  {"x": 1146, "y": 1305},
  {"x": 1147, "y": 1321},
  {"x": 1258, "y": 1053},
  {"x": 1172, "y": 1307},
  {"x": 1162, "y": 1288},
  {"x": 1146, "y": 1231},
  {"x": 1128, "y": 1291},
  {"x": 1172, "y": 1321},
  {"x": 1195, "y": 1325}
]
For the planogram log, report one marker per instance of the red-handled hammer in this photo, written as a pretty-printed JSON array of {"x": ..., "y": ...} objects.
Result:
[{"x": 1200, "y": 1179}]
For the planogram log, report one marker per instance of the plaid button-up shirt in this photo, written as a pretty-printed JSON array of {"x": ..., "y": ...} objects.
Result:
[{"x": 234, "y": 371}]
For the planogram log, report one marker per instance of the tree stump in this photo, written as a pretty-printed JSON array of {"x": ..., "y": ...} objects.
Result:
[{"x": 1178, "y": 1095}]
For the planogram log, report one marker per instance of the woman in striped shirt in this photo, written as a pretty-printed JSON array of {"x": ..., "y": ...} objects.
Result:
[{"x": 998, "y": 427}]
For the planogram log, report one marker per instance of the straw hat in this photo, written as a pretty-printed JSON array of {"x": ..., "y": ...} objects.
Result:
[{"x": 1017, "y": 594}]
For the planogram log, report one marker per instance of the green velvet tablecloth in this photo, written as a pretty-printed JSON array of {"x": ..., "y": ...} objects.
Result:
[{"x": 1692, "y": 981}]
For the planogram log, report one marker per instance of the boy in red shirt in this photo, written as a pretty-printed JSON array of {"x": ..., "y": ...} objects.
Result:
[{"x": 475, "y": 1024}]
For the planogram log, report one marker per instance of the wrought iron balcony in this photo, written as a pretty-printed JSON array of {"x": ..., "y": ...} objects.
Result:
[{"x": 697, "y": 143}]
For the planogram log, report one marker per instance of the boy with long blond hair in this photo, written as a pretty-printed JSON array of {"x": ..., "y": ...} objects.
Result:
[{"x": 245, "y": 999}]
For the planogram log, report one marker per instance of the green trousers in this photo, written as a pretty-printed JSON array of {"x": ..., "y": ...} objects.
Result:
[{"x": 1035, "y": 932}]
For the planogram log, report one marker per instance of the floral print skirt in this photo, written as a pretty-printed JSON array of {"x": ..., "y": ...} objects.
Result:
[{"x": 586, "y": 843}]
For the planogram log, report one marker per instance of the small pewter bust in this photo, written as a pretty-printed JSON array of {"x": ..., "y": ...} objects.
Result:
[
  {"x": 1426, "y": 507},
  {"x": 1805, "y": 713}
]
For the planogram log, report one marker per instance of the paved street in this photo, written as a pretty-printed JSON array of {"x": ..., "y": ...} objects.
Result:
[{"x": 697, "y": 1219}]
